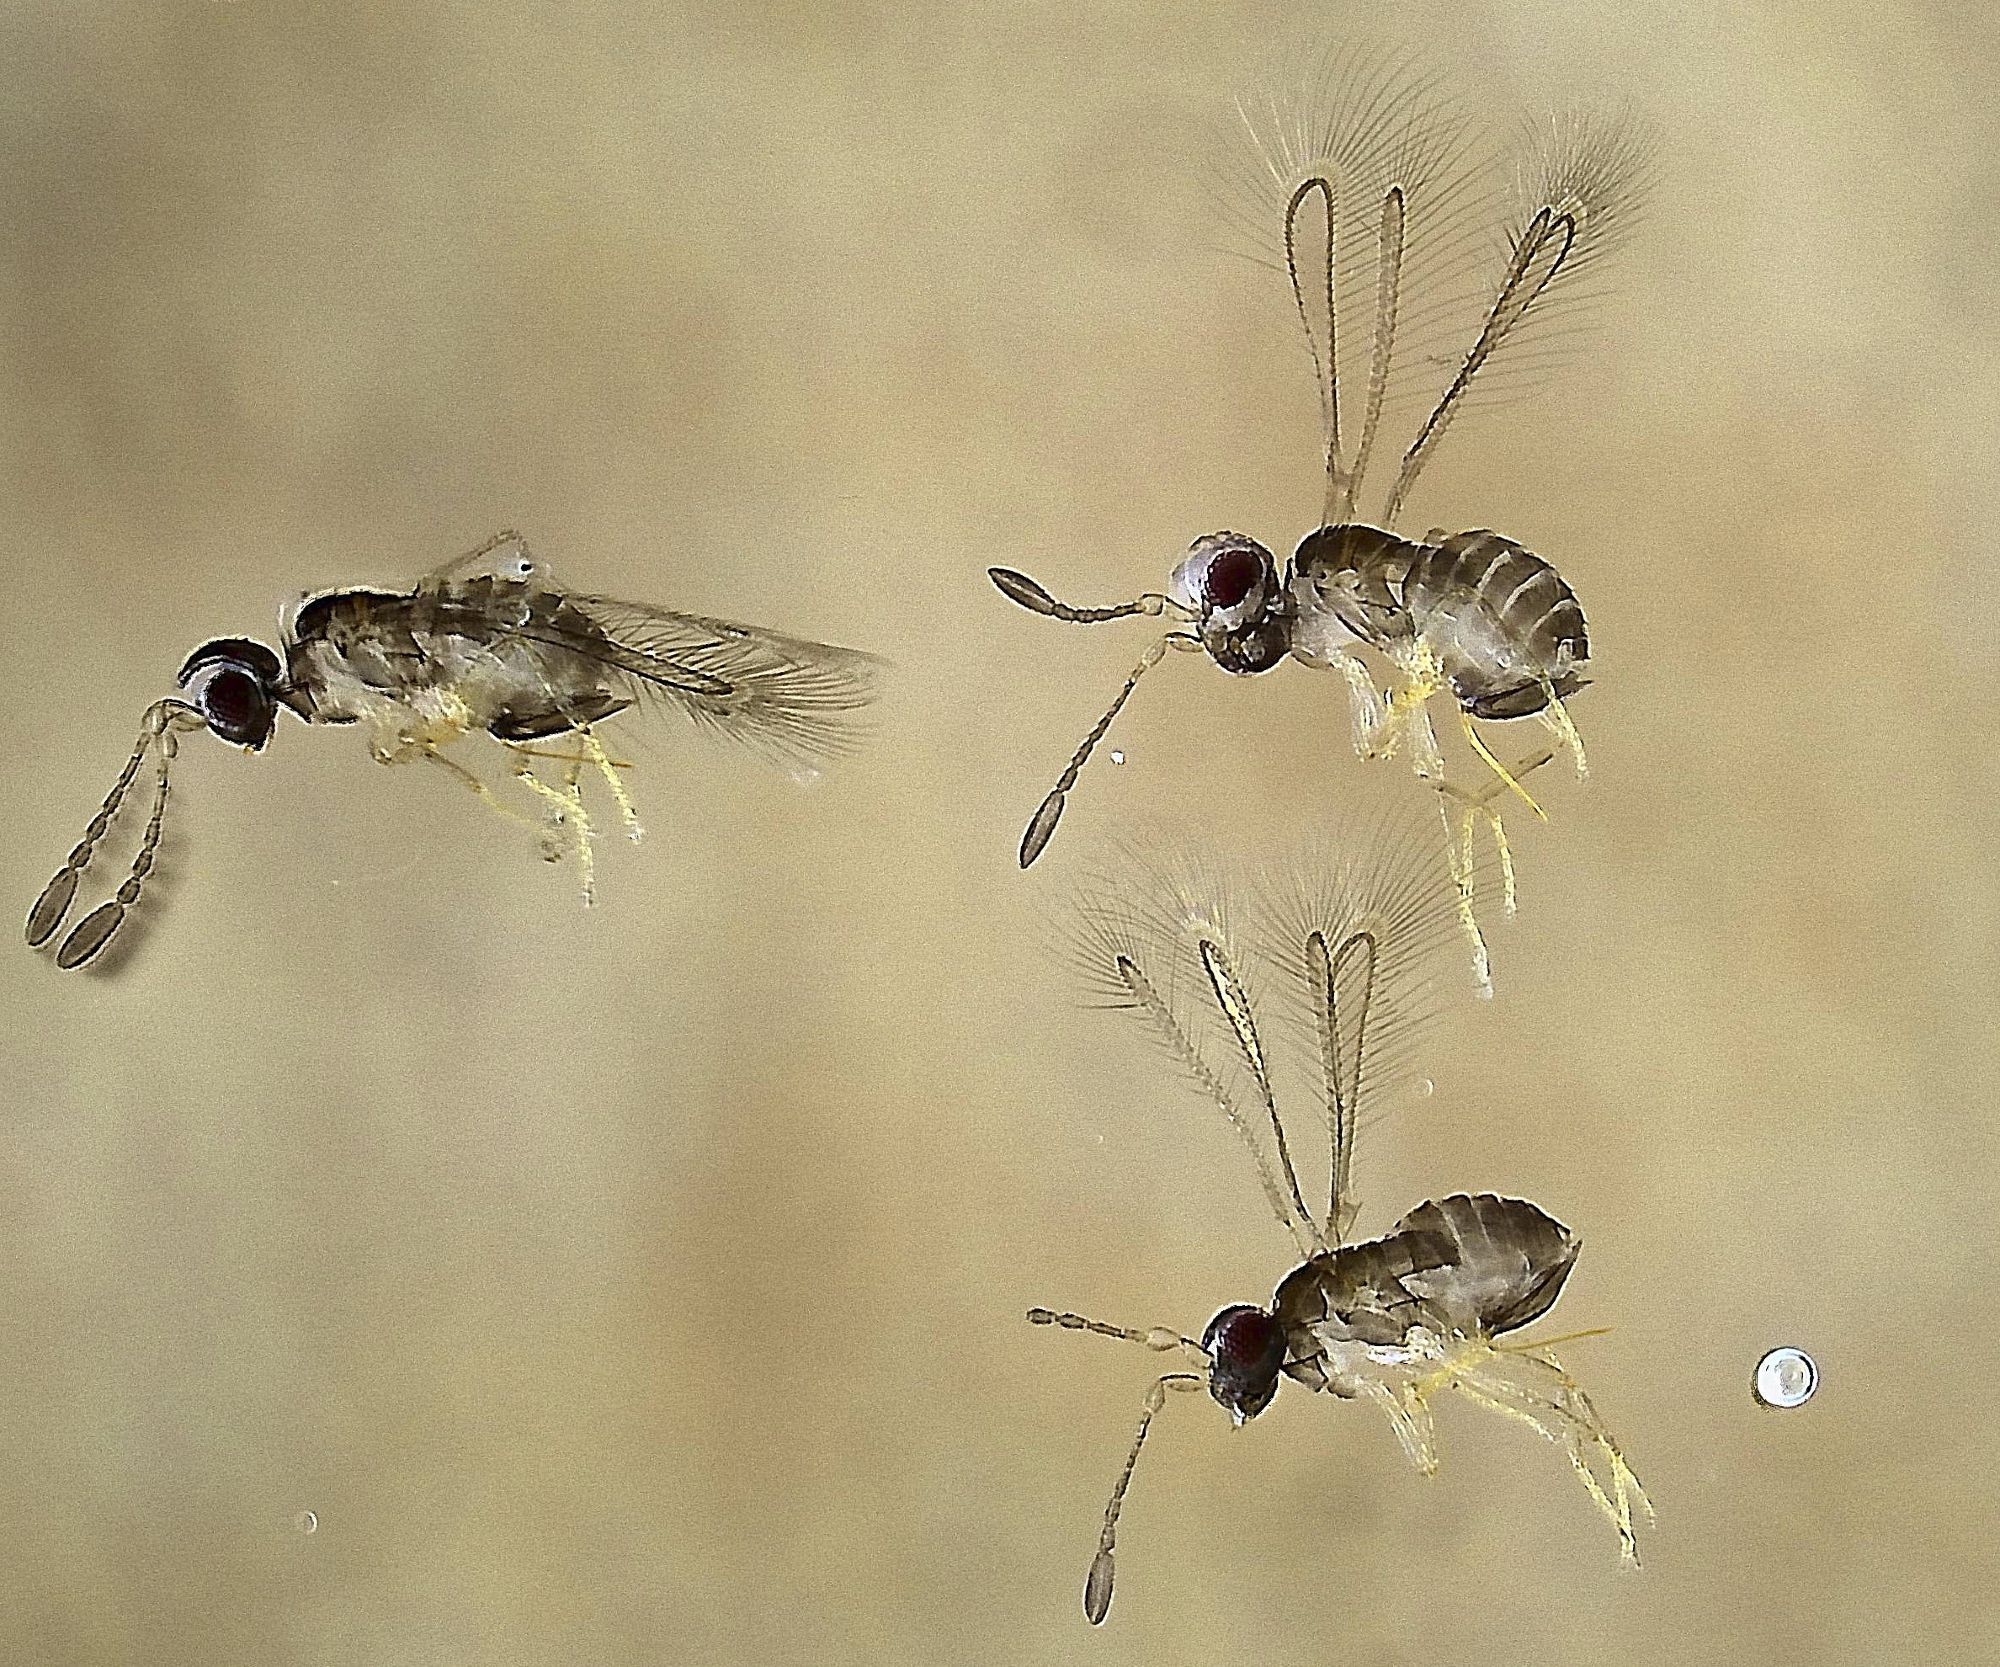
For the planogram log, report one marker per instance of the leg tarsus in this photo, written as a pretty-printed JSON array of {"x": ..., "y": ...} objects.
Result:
[
  {"x": 569, "y": 826},
  {"x": 1559, "y": 1410},
  {"x": 1556, "y": 719}
]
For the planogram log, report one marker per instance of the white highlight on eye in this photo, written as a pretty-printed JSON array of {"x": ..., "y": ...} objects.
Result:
[{"x": 1785, "y": 1378}]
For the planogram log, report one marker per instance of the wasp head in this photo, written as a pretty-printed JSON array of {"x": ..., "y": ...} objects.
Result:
[
  {"x": 1230, "y": 583},
  {"x": 1246, "y": 1351},
  {"x": 233, "y": 683}
]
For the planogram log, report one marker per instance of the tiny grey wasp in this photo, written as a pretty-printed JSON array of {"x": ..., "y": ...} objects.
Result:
[
  {"x": 1385, "y": 202},
  {"x": 1394, "y": 1320},
  {"x": 488, "y": 642}
]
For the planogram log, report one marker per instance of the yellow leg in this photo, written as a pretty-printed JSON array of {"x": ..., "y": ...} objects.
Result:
[
  {"x": 1458, "y": 853},
  {"x": 1397, "y": 717},
  {"x": 1364, "y": 704},
  {"x": 608, "y": 767},
  {"x": 1558, "y": 1410},
  {"x": 1555, "y": 717},
  {"x": 423, "y": 749},
  {"x": 1541, "y": 1343},
  {"x": 592, "y": 752},
  {"x": 1410, "y": 1418},
  {"x": 1479, "y": 746},
  {"x": 527, "y": 751},
  {"x": 570, "y": 817},
  {"x": 1472, "y": 806}
]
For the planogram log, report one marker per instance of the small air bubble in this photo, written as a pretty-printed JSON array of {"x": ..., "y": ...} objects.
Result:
[
  {"x": 1117, "y": 755},
  {"x": 1785, "y": 1378},
  {"x": 1425, "y": 1088},
  {"x": 306, "y": 1522}
]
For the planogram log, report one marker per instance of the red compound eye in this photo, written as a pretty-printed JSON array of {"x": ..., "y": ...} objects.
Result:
[
  {"x": 1246, "y": 1348},
  {"x": 1245, "y": 1339},
  {"x": 232, "y": 701},
  {"x": 1231, "y": 576},
  {"x": 233, "y": 691}
]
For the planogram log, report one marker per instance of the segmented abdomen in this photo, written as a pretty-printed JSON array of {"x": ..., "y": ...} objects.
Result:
[
  {"x": 1468, "y": 1263},
  {"x": 1501, "y": 621}
]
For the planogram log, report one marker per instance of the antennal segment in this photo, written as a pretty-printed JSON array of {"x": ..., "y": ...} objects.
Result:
[{"x": 1158, "y": 1338}]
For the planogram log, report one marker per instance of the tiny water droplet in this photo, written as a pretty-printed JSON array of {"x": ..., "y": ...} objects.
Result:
[
  {"x": 1425, "y": 1088},
  {"x": 1785, "y": 1378},
  {"x": 306, "y": 1522},
  {"x": 1117, "y": 755}
]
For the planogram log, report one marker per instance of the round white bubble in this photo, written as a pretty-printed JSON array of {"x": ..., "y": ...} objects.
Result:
[
  {"x": 1785, "y": 1378},
  {"x": 1117, "y": 757},
  {"x": 306, "y": 1522}
]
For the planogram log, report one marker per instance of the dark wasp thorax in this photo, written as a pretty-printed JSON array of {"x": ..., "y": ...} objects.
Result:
[
  {"x": 1352, "y": 575},
  {"x": 1500, "y": 621},
  {"x": 1467, "y": 1264},
  {"x": 525, "y": 660}
]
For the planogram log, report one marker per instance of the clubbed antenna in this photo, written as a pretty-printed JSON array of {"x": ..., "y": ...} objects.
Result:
[
  {"x": 159, "y": 735},
  {"x": 1018, "y": 587},
  {"x": 1042, "y": 825},
  {"x": 1161, "y": 1339},
  {"x": 1097, "y": 1585}
]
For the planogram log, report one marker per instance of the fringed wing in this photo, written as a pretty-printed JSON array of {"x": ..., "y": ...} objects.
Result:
[{"x": 786, "y": 696}]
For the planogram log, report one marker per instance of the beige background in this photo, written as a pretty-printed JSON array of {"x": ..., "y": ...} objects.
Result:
[{"x": 645, "y": 1285}]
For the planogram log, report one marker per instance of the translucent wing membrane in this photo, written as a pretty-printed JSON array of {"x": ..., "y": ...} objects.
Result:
[
  {"x": 1154, "y": 939},
  {"x": 1325, "y": 979},
  {"x": 787, "y": 696},
  {"x": 1579, "y": 183},
  {"x": 1358, "y": 942},
  {"x": 792, "y": 698},
  {"x": 1412, "y": 198},
  {"x": 1391, "y": 882},
  {"x": 1400, "y": 224}
]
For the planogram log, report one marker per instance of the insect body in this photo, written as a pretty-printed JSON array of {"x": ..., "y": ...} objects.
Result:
[
  {"x": 488, "y": 643},
  {"x": 1380, "y": 172},
  {"x": 1394, "y": 1320}
]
